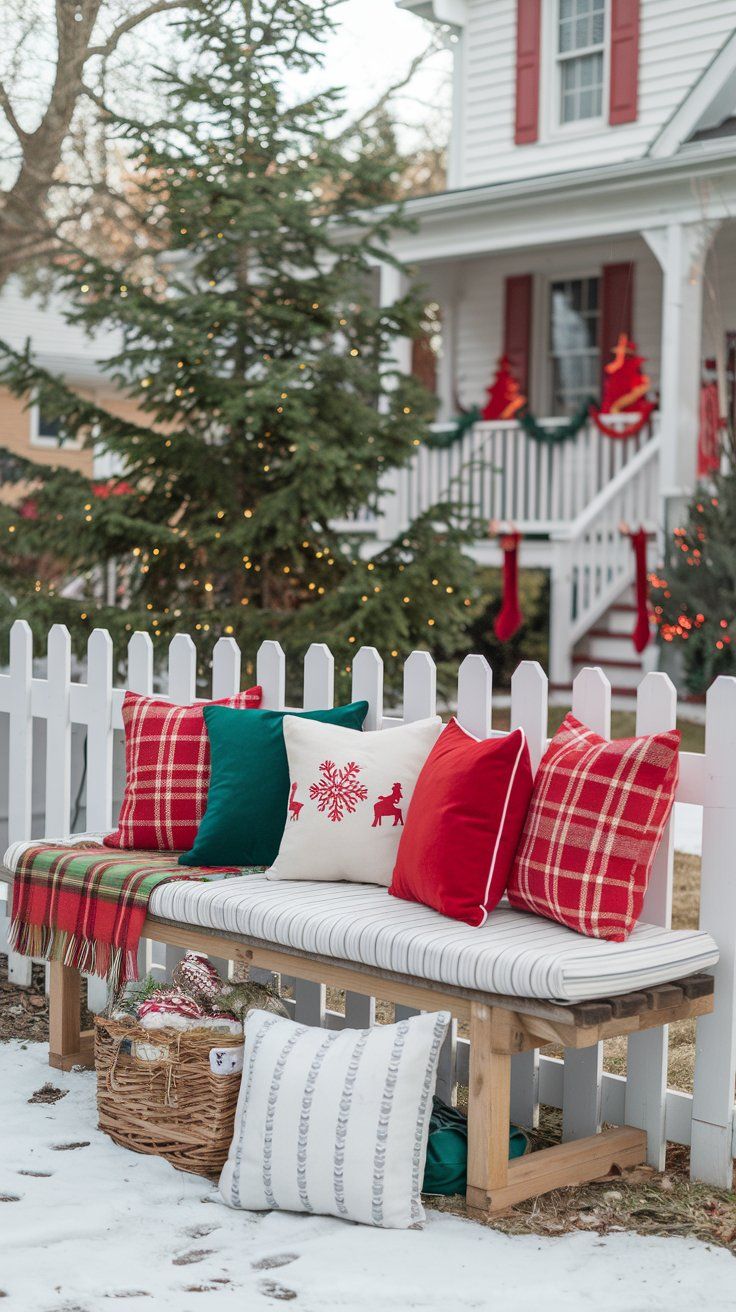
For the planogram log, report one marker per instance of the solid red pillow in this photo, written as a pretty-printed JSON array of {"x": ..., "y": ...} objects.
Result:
[
  {"x": 167, "y": 771},
  {"x": 463, "y": 824},
  {"x": 594, "y": 823}
]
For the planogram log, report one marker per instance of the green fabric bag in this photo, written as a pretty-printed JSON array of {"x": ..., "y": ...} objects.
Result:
[
  {"x": 446, "y": 1168},
  {"x": 249, "y": 783}
]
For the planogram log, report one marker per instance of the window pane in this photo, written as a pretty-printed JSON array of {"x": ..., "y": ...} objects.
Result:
[
  {"x": 581, "y": 85},
  {"x": 573, "y": 336}
]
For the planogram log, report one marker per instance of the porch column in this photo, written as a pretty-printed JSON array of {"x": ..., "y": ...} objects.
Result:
[
  {"x": 681, "y": 249},
  {"x": 393, "y": 285}
]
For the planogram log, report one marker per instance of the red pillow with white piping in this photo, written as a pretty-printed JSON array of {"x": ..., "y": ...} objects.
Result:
[
  {"x": 464, "y": 823},
  {"x": 167, "y": 771}
]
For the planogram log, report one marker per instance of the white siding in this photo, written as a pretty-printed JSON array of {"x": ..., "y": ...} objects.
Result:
[
  {"x": 678, "y": 41},
  {"x": 478, "y": 291},
  {"x": 64, "y": 346}
]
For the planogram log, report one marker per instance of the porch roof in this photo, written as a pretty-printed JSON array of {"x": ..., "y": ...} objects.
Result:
[{"x": 612, "y": 200}]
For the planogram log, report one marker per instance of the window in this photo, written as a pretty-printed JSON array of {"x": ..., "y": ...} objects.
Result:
[
  {"x": 47, "y": 432},
  {"x": 581, "y": 28},
  {"x": 573, "y": 342}
]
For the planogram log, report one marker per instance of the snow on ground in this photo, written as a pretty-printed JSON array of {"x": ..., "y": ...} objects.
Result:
[
  {"x": 86, "y": 1226},
  {"x": 688, "y": 828}
]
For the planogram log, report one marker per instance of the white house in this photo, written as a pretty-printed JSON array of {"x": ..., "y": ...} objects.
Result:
[{"x": 592, "y": 174}]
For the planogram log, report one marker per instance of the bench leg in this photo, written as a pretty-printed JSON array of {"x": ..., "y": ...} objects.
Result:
[
  {"x": 494, "y": 1183},
  {"x": 68, "y": 1046},
  {"x": 489, "y": 1112}
]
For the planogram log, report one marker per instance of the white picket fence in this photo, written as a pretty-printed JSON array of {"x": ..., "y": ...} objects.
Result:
[{"x": 705, "y": 1120}]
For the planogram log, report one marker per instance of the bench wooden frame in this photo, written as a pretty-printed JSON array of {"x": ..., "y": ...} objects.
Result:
[{"x": 499, "y": 1026}]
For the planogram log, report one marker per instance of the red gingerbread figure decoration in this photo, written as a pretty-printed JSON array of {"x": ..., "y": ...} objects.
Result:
[
  {"x": 504, "y": 395},
  {"x": 389, "y": 806},
  {"x": 625, "y": 384}
]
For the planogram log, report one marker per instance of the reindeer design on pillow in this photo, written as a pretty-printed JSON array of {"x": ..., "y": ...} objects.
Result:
[{"x": 389, "y": 806}]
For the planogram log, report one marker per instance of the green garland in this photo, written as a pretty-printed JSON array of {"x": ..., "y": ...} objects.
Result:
[
  {"x": 563, "y": 432},
  {"x": 448, "y": 436},
  {"x": 541, "y": 433}
]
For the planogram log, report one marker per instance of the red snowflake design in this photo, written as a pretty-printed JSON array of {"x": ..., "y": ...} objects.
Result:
[{"x": 337, "y": 791}]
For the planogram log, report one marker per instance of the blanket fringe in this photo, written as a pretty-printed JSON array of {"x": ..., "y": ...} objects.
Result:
[{"x": 91, "y": 958}]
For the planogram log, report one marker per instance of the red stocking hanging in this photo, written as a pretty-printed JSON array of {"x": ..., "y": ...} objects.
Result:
[
  {"x": 509, "y": 618},
  {"x": 642, "y": 631}
]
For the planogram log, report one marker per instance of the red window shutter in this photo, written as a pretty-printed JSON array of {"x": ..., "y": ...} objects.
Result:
[
  {"x": 517, "y": 327},
  {"x": 424, "y": 362},
  {"x": 624, "y": 96},
  {"x": 617, "y": 299},
  {"x": 528, "y": 47}
]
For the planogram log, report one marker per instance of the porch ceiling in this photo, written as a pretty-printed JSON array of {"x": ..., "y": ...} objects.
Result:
[{"x": 696, "y": 186}]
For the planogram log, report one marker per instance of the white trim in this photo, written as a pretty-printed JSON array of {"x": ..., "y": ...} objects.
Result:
[
  {"x": 44, "y": 443},
  {"x": 707, "y": 103},
  {"x": 551, "y": 126},
  {"x": 541, "y": 335}
]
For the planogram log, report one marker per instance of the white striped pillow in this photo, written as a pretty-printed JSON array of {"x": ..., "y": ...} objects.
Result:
[{"x": 334, "y": 1121}]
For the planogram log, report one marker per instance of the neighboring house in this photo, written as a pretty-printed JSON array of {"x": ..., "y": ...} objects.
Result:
[
  {"x": 66, "y": 350},
  {"x": 592, "y": 191}
]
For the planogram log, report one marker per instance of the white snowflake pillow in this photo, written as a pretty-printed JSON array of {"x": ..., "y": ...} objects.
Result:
[
  {"x": 350, "y": 792},
  {"x": 334, "y": 1121}
]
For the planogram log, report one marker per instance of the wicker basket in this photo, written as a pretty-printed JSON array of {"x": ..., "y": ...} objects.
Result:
[{"x": 168, "y": 1103}]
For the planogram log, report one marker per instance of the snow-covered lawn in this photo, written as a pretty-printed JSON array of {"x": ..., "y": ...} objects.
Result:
[{"x": 86, "y": 1226}]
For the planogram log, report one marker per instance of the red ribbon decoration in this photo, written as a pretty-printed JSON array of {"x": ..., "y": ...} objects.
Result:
[{"x": 631, "y": 430}]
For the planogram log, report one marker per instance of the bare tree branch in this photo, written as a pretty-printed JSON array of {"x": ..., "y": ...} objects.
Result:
[
  {"x": 9, "y": 113},
  {"x": 135, "y": 20}
]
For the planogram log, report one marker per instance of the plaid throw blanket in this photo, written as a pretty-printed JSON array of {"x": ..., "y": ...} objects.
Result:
[{"x": 85, "y": 905}]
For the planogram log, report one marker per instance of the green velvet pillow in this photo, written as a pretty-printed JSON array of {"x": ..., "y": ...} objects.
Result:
[{"x": 249, "y": 784}]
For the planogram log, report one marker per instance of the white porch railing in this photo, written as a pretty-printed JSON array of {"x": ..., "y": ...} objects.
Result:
[
  {"x": 497, "y": 471},
  {"x": 705, "y": 1120},
  {"x": 592, "y": 561}
]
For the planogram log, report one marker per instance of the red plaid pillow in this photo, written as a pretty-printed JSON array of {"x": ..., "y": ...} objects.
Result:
[
  {"x": 167, "y": 771},
  {"x": 595, "y": 819}
]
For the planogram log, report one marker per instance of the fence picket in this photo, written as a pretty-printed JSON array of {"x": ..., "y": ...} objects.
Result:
[
  {"x": 99, "y": 761},
  {"x": 182, "y": 689},
  {"x": 528, "y": 712},
  {"x": 58, "y": 733},
  {"x": 20, "y": 766},
  {"x": 182, "y": 669},
  {"x": 271, "y": 675},
  {"x": 420, "y": 686},
  {"x": 711, "y": 1152},
  {"x": 319, "y": 678},
  {"x": 583, "y": 1071},
  {"x": 140, "y": 679},
  {"x": 474, "y": 692},
  {"x": 225, "y": 668},
  {"x": 368, "y": 685},
  {"x": 646, "y": 1064},
  {"x": 140, "y": 664}
]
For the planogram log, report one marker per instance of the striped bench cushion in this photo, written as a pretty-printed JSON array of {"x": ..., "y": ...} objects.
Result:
[{"x": 515, "y": 952}]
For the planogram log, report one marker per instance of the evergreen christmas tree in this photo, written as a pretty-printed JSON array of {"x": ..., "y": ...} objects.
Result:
[
  {"x": 695, "y": 597},
  {"x": 269, "y": 408}
]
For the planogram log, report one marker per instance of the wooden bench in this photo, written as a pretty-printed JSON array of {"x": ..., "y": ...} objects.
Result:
[{"x": 499, "y": 1027}]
